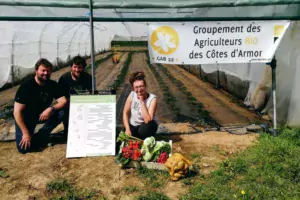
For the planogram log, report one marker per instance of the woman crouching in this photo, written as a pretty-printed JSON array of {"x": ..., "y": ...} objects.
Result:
[{"x": 140, "y": 107}]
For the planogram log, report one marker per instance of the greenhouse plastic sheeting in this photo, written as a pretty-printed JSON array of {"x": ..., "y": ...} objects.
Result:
[
  {"x": 145, "y": 4},
  {"x": 136, "y": 9},
  {"x": 167, "y": 13},
  {"x": 22, "y": 43}
]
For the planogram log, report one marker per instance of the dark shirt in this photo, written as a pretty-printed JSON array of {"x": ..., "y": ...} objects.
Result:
[
  {"x": 70, "y": 86},
  {"x": 37, "y": 97}
]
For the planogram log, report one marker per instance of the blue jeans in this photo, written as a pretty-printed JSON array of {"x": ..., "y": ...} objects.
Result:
[{"x": 42, "y": 137}]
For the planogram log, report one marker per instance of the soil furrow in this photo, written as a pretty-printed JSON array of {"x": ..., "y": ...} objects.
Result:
[
  {"x": 187, "y": 111},
  {"x": 217, "y": 104},
  {"x": 103, "y": 72}
]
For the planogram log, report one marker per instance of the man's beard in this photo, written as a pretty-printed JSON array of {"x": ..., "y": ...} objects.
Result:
[
  {"x": 41, "y": 79},
  {"x": 76, "y": 75}
]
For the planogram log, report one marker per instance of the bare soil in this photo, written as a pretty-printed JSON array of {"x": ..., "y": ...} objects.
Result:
[
  {"x": 129, "y": 48},
  {"x": 108, "y": 72},
  {"x": 219, "y": 105},
  {"x": 29, "y": 173},
  {"x": 187, "y": 112}
]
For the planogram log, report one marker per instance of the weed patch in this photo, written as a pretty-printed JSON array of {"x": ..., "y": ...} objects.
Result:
[
  {"x": 131, "y": 189},
  {"x": 153, "y": 196},
  {"x": 268, "y": 170},
  {"x": 153, "y": 178},
  {"x": 61, "y": 189}
]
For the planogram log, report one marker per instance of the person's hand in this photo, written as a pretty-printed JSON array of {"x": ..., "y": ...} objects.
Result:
[
  {"x": 128, "y": 132},
  {"x": 141, "y": 98},
  {"x": 25, "y": 142},
  {"x": 45, "y": 114}
]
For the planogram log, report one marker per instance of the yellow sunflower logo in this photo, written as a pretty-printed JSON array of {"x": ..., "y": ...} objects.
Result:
[
  {"x": 278, "y": 30},
  {"x": 164, "y": 40}
]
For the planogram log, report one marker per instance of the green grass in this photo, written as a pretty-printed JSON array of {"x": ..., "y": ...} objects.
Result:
[
  {"x": 220, "y": 151},
  {"x": 152, "y": 196},
  {"x": 153, "y": 178},
  {"x": 268, "y": 170},
  {"x": 187, "y": 181},
  {"x": 3, "y": 173},
  {"x": 131, "y": 189},
  {"x": 58, "y": 185},
  {"x": 195, "y": 155},
  {"x": 61, "y": 189}
]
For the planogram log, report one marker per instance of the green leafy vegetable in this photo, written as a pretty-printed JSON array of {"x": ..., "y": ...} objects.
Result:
[{"x": 123, "y": 137}]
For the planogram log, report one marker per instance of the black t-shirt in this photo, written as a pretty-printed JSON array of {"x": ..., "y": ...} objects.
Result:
[
  {"x": 69, "y": 86},
  {"x": 37, "y": 97}
]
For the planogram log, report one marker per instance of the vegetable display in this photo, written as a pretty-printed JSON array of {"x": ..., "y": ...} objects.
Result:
[{"x": 135, "y": 149}]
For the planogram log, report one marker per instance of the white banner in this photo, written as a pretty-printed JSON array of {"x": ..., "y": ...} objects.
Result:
[{"x": 215, "y": 42}]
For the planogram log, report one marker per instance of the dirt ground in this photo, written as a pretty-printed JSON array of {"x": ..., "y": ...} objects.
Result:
[
  {"x": 108, "y": 72},
  {"x": 129, "y": 48},
  {"x": 219, "y": 105},
  {"x": 29, "y": 173}
]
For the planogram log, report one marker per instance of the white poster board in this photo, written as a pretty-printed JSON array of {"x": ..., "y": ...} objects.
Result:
[
  {"x": 215, "y": 42},
  {"x": 92, "y": 126}
]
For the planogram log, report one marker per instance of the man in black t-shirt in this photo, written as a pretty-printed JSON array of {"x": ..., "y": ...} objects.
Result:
[
  {"x": 33, "y": 105},
  {"x": 74, "y": 82}
]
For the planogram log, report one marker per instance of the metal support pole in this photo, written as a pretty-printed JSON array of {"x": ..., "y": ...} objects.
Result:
[
  {"x": 40, "y": 48},
  {"x": 85, "y": 49},
  {"x": 57, "y": 52},
  {"x": 12, "y": 60},
  {"x": 79, "y": 43},
  {"x": 200, "y": 73},
  {"x": 92, "y": 47},
  {"x": 273, "y": 66},
  {"x": 217, "y": 86}
]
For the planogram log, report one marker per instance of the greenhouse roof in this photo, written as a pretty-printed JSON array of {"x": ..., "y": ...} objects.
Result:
[
  {"x": 137, "y": 10},
  {"x": 143, "y": 4}
]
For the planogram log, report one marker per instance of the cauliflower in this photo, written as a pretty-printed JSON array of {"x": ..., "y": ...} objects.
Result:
[
  {"x": 147, "y": 148},
  {"x": 152, "y": 149}
]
